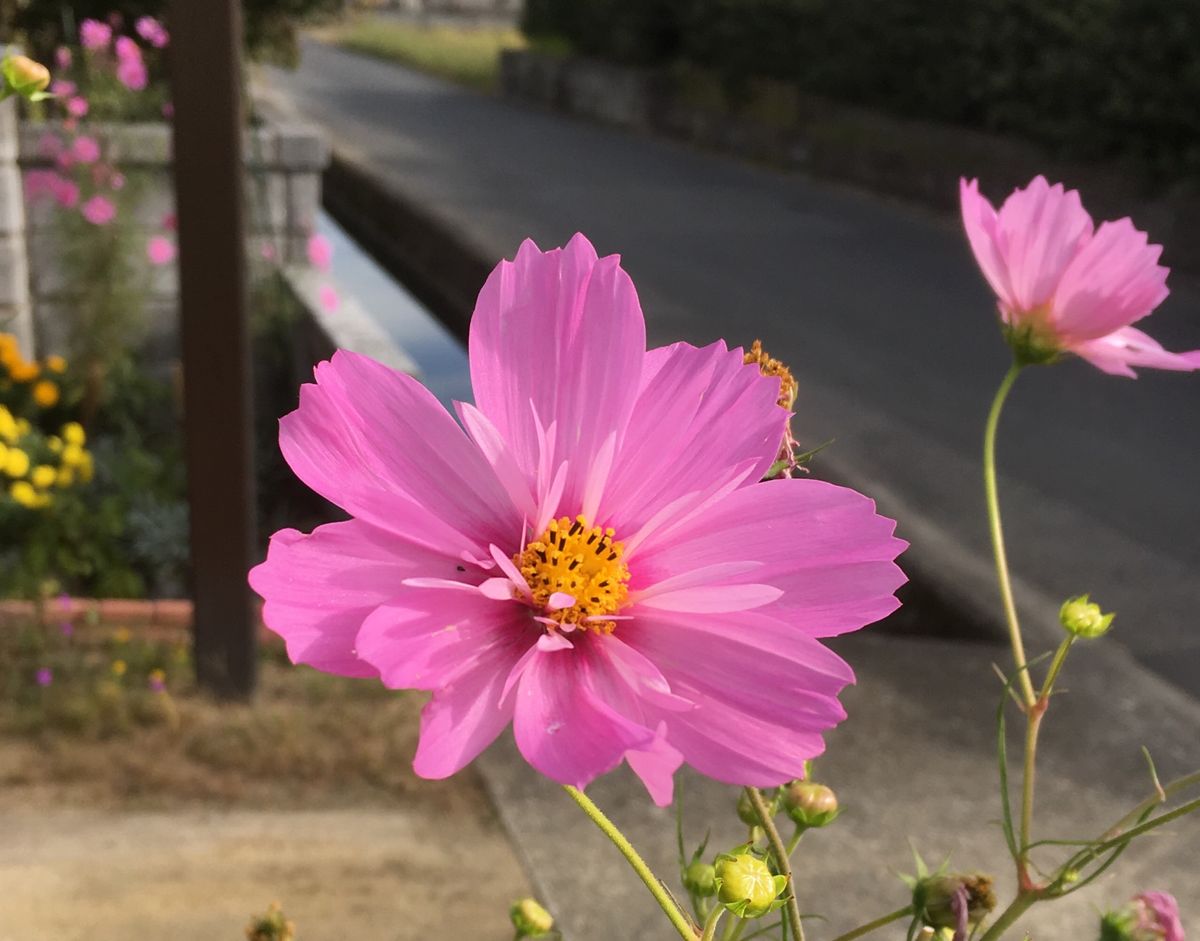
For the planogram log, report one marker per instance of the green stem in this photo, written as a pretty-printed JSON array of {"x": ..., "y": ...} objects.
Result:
[
  {"x": 1056, "y": 665},
  {"x": 677, "y": 918},
  {"x": 876, "y": 924},
  {"x": 1179, "y": 784},
  {"x": 993, "y": 509},
  {"x": 1020, "y": 905},
  {"x": 1034, "y": 724},
  {"x": 710, "y": 924},
  {"x": 794, "y": 841},
  {"x": 781, "y": 860}
]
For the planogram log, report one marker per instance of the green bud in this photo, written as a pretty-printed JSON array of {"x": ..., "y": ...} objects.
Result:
[
  {"x": 745, "y": 885},
  {"x": 746, "y": 812},
  {"x": 810, "y": 804},
  {"x": 933, "y": 898},
  {"x": 23, "y": 76},
  {"x": 1083, "y": 618},
  {"x": 530, "y": 919},
  {"x": 700, "y": 879}
]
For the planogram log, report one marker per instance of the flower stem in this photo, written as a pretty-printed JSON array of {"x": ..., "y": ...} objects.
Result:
[
  {"x": 993, "y": 508},
  {"x": 710, "y": 924},
  {"x": 1032, "y": 727},
  {"x": 877, "y": 923},
  {"x": 779, "y": 851},
  {"x": 677, "y": 918},
  {"x": 1015, "y": 910}
]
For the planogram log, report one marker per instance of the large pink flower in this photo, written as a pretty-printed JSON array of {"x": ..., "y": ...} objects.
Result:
[
  {"x": 1064, "y": 285},
  {"x": 591, "y": 556}
]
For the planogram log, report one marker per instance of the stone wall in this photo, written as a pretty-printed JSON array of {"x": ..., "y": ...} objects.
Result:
[{"x": 283, "y": 195}]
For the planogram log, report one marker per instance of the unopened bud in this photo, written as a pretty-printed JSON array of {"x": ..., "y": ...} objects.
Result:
[
  {"x": 941, "y": 900},
  {"x": 745, "y": 885},
  {"x": 700, "y": 879},
  {"x": 1083, "y": 618},
  {"x": 746, "y": 811},
  {"x": 530, "y": 919},
  {"x": 24, "y": 76},
  {"x": 810, "y": 804}
]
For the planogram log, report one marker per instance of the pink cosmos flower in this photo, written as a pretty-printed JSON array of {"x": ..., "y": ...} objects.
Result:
[
  {"x": 126, "y": 48},
  {"x": 152, "y": 31},
  {"x": 591, "y": 556},
  {"x": 94, "y": 35},
  {"x": 63, "y": 88},
  {"x": 99, "y": 210},
  {"x": 1065, "y": 286},
  {"x": 63, "y": 58},
  {"x": 132, "y": 74},
  {"x": 85, "y": 149},
  {"x": 160, "y": 250},
  {"x": 320, "y": 252},
  {"x": 1158, "y": 915},
  {"x": 328, "y": 297},
  {"x": 66, "y": 192},
  {"x": 77, "y": 107}
]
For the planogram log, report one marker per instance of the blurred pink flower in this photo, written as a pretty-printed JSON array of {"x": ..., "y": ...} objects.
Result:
[
  {"x": 328, "y": 298},
  {"x": 63, "y": 88},
  {"x": 45, "y": 676},
  {"x": 561, "y": 562},
  {"x": 132, "y": 74},
  {"x": 39, "y": 183},
  {"x": 168, "y": 110},
  {"x": 65, "y": 603},
  {"x": 63, "y": 58},
  {"x": 65, "y": 160},
  {"x": 77, "y": 107},
  {"x": 67, "y": 629},
  {"x": 152, "y": 31},
  {"x": 1158, "y": 915},
  {"x": 50, "y": 144},
  {"x": 160, "y": 250},
  {"x": 117, "y": 180},
  {"x": 320, "y": 252},
  {"x": 126, "y": 48},
  {"x": 85, "y": 149},
  {"x": 1065, "y": 286},
  {"x": 268, "y": 251},
  {"x": 99, "y": 210},
  {"x": 66, "y": 192},
  {"x": 94, "y": 35},
  {"x": 70, "y": 124}
]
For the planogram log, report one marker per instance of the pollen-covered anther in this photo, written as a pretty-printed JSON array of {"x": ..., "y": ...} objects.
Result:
[
  {"x": 575, "y": 575},
  {"x": 769, "y": 366}
]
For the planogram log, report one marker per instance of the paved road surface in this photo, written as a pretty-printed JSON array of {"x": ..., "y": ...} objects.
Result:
[{"x": 877, "y": 307}]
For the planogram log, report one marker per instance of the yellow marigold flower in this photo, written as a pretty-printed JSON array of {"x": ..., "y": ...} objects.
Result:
[
  {"x": 73, "y": 433},
  {"x": 65, "y": 477},
  {"x": 16, "y": 463},
  {"x": 122, "y": 635},
  {"x": 23, "y": 371},
  {"x": 56, "y": 363},
  {"x": 72, "y": 455},
  {"x": 119, "y": 667},
  {"x": 43, "y": 476},
  {"x": 8, "y": 425},
  {"x": 54, "y": 443},
  {"x": 86, "y": 469},
  {"x": 9, "y": 352},
  {"x": 22, "y": 427},
  {"x": 22, "y": 491},
  {"x": 45, "y": 393}
]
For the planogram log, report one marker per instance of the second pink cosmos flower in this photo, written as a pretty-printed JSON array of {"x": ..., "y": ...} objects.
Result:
[{"x": 591, "y": 556}]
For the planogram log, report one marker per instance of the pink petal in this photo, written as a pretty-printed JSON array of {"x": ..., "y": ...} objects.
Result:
[
  {"x": 562, "y": 725},
  {"x": 1040, "y": 229},
  {"x": 559, "y": 335},
  {"x": 1113, "y": 281},
  {"x": 702, "y": 415},
  {"x": 656, "y": 766},
  {"x": 1128, "y": 347},
  {"x": 979, "y": 220},
  {"x": 822, "y": 545},
  {"x": 320, "y": 588},
  {"x": 376, "y": 442}
]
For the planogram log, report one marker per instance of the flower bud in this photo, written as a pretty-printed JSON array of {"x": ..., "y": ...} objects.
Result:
[
  {"x": 944, "y": 900},
  {"x": 810, "y": 804},
  {"x": 530, "y": 919},
  {"x": 745, "y": 885},
  {"x": 23, "y": 76},
  {"x": 1083, "y": 618},
  {"x": 700, "y": 879},
  {"x": 746, "y": 812},
  {"x": 1151, "y": 916}
]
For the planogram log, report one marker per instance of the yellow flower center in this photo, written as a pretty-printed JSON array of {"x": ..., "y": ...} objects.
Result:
[
  {"x": 584, "y": 562},
  {"x": 769, "y": 366}
]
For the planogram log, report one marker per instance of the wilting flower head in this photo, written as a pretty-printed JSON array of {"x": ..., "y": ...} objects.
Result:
[
  {"x": 1151, "y": 916},
  {"x": 99, "y": 210},
  {"x": 94, "y": 35},
  {"x": 160, "y": 250},
  {"x": 131, "y": 72},
  {"x": 1064, "y": 285},
  {"x": 591, "y": 556}
]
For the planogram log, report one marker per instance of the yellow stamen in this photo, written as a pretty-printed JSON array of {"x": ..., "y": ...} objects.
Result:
[
  {"x": 773, "y": 367},
  {"x": 581, "y": 561}
]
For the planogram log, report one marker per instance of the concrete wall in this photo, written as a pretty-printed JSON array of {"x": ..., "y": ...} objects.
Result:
[{"x": 15, "y": 308}]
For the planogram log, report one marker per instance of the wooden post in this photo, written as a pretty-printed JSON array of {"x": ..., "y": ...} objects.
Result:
[{"x": 206, "y": 42}]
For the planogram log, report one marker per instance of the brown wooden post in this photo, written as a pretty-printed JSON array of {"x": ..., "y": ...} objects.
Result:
[{"x": 206, "y": 42}]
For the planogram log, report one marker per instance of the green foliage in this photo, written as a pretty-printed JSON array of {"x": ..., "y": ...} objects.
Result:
[{"x": 1087, "y": 78}]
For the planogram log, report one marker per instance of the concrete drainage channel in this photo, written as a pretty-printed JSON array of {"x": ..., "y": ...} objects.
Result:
[{"x": 921, "y": 731}]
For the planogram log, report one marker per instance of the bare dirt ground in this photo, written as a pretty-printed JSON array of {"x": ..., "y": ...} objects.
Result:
[{"x": 183, "y": 830}]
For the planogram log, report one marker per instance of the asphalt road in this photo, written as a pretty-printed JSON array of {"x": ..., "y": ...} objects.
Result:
[{"x": 879, "y": 310}]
